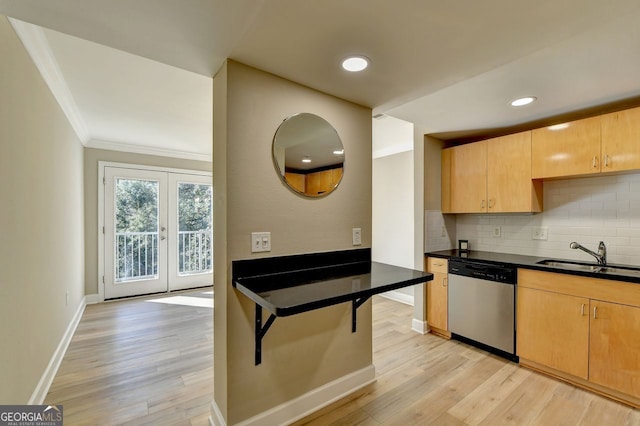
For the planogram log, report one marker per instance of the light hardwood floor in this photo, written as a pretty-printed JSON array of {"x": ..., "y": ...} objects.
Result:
[
  {"x": 426, "y": 380},
  {"x": 137, "y": 362}
]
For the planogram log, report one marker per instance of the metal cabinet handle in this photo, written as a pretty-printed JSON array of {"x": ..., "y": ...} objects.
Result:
[
  {"x": 582, "y": 310},
  {"x": 483, "y": 204},
  {"x": 444, "y": 281},
  {"x": 595, "y": 312},
  {"x": 606, "y": 160},
  {"x": 491, "y": 203},
  {"x": 595, "y": 162}
]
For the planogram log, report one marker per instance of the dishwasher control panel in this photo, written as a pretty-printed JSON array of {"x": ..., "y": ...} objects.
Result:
[{"x": 485, "y": 271}]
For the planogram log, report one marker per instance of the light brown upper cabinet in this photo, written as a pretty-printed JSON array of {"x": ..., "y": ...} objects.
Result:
[
  {"x": 621, "y": 141},
  {"x": 509, "y": 184},
  {"x": 569, "y": 149},
  {"x": 491, "y": 176},
  {"x": 468, "y": 178}
]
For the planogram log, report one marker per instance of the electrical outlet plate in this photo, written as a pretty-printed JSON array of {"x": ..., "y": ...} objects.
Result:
[
  {"x": 356, "y": 236},
  {"x": 497, "y": 231},
  {"x": 539, "y": 233},
  {"x": 260, "y": 242}
]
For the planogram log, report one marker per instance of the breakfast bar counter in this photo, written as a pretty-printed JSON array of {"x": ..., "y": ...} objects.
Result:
[{"x": 302, "y": 283}]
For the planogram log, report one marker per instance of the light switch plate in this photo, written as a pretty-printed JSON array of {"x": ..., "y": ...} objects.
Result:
[{"x": 260, "y": 242}]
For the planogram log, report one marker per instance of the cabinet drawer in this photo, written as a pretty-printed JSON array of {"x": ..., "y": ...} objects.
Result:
[
  {"x": 590, "y": 288},
  {"x": 435, "y": 264}
]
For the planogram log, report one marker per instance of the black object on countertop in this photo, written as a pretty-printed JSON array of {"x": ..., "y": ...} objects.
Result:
[{"x": 291, "y": 285}]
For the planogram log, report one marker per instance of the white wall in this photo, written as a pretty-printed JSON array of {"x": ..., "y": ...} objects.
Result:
[
  {"x": 393, "y": 196},
  {"x": 393, "y": 210},
  {"x": 585, "y": 210}
]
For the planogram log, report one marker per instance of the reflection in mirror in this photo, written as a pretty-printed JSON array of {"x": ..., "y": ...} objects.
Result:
[{"x": 308, "y": 155}]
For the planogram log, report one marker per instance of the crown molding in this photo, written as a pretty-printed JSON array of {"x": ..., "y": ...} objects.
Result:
[
  {"x": 396, "y": 149},
  {"x": 147, "y": 150},
  {"x": 37, "y": 45}
]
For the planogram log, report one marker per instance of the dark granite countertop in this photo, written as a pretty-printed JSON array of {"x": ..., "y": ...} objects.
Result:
[
  {"x": 531, "y": 262},
  {"x": 301, "y": 291}
]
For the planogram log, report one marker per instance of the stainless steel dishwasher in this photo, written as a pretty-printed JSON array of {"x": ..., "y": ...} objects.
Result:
[{"x": 482, "y": 305}]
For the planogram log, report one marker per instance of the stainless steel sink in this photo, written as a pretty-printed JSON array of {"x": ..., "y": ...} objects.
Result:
[{"x": 591, "y": 267}]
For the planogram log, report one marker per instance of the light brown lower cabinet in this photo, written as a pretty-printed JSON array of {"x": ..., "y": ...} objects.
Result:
[
  {"x": 437, "y": 296},
  {"x": 614, "y": 346},
  {"x": 566, "y": 329},
  {"x": 553, "y": 329}
]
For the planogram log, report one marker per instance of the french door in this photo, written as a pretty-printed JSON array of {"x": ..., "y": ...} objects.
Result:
[{"x": 158, "y": 232}]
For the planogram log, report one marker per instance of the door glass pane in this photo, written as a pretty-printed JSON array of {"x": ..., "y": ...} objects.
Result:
[
  {"x": 195, "y": 233},
  {"x": 136, "y": 229}
]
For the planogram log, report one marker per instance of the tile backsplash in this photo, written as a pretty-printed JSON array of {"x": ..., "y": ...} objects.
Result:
[
  {"x": 440, "y": 231},
  {"x": 586, "y": 210}
]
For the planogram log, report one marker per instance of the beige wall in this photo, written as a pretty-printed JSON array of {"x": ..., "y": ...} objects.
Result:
[
  {"x": 304, "y": 351},
  {"x": 91, "y": 158},
  {"x": 432, "y": 167},
  {"x": 41, "y": 222}
]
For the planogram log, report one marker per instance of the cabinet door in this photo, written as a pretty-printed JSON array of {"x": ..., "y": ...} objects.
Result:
[
  {"x": 437, "y": 293},
  {"x": 553, "y": 330},
  {"x": 614, "y": 357},
  {"x": 437, "y": 301},
  {"x": 621, "y": 140},
  {"x": 446, "y": 181},
  {"x": 509, "y": 184},
  {"x": 319, "y": 182},
  {"x": 296, "y": 180},
  {"x": 570, "y": 151},
  {"x": 469, "y": 178}
]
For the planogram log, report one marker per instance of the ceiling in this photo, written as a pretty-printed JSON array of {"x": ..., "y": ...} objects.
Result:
[{"x": 139, "y": 72}]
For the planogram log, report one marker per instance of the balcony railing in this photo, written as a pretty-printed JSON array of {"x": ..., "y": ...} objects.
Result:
[
  {"x": 136, "y": 255},
  {"x": 195, "y": 252}
]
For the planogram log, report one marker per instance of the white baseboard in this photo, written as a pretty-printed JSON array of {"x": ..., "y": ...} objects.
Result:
[
  {"x": 216, "y": 418},
  {"x": 419, "y": 326},
  {"x": 92, "y": 299},
  {"x": 398, "y": 297},
  {"x": 306, "y": 404},
  {"x": 41, "y": 390}
]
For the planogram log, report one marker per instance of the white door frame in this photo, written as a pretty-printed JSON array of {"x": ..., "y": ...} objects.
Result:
[{"x": 101, "y": 219}]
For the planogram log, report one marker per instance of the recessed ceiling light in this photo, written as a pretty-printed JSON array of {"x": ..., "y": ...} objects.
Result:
[
  {"x": 558, "y": 126},
  {"x": 306, "y": 160},
  {"x": 355, "y": 63},
  {"x": 338, "y": 152},
  {"x": 523, "y": 101}
]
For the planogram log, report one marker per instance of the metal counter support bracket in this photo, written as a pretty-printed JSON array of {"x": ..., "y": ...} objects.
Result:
[
  {"x": 260, "y": 331},
  {"x": 356, "y": 304}
]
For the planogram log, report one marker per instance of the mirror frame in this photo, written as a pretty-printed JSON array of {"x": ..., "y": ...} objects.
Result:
[{"x": 281, "y": 173}]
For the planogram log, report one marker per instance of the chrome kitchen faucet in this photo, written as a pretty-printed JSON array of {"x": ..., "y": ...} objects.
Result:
[{"x": 601, "y": 255}]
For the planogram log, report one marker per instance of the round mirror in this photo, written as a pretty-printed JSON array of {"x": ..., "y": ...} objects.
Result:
[{"x": 308, "y": 155}]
